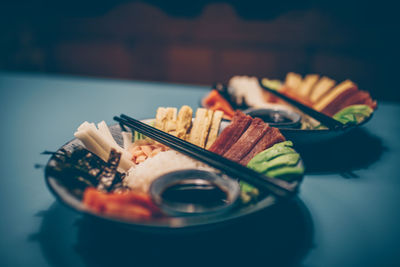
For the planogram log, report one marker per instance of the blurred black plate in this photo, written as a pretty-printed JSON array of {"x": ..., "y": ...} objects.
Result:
[
  {"x": 305, "y": 136},
  {"x": 194, "y": 223},
  {"x": 299, "y": 136}
]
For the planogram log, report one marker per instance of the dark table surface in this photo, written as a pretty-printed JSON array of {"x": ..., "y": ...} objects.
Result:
[{"x": 347, "y": 212}]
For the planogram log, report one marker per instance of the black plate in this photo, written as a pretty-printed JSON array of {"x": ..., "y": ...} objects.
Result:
[
  {"x": 189, "y": 223},
  {"x": 299, "y": 136},
  {"x": 308, "y": 136}
]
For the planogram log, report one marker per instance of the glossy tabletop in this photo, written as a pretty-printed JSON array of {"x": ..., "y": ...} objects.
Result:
[{"x": 347, "y": 212}]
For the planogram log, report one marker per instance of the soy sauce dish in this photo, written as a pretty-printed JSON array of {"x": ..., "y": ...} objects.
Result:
[
  {"x": 280, "y": 118},
  {"x": 194, "y": 192}
]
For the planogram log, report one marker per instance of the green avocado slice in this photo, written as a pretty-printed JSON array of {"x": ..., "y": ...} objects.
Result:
[
  {"x": 353, "y": 114},
  {"x": 288, "y": 173},
  {"x": 289, "y": 159},
  {"x": 270, "y": 153}
]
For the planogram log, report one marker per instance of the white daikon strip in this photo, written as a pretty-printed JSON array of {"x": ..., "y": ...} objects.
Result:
[
  {"x": 127, "y": 138},
  {"x": 83, "y": 126},
  {"x": 125, "y": 161},
  {"x": 98, "y": 139},
  {"x": 103, "y": 128},
  {"x": 91, "y": 144}
]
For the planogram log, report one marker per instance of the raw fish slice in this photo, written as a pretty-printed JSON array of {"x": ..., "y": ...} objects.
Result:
[
  {"x": 247, "y": 141},
  {"x": 229, "y": 136},
  {"x": 336, "y": 103},
  {"x": 334, "y": 93},
  {"x": 351, "y": 98},
  {"x": 271, "y": 137}
]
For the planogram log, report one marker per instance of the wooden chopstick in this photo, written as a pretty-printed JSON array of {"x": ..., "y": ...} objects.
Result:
[
  {"x": 321, "y": 117},
  {"x": 277, "y": 187}
]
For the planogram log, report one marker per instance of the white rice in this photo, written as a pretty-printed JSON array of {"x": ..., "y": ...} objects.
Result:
[{"x": 140, "y": 177}]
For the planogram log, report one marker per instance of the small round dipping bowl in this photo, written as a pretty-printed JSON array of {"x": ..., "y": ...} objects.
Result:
[
  {"x": 194, "y": 192},
  {"x": 277, "y": 117}
]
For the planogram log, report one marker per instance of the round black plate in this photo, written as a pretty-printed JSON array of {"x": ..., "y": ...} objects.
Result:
[
  {"x": 188, "y": 223},
  {"x": 308, "y": 136}
]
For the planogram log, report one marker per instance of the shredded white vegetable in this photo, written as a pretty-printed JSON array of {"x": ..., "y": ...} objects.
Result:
[
  {"x": 127, "y": 138},
  {"x": 99, "y": 142}
]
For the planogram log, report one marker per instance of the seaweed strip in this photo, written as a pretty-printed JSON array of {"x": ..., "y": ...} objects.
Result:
[{"x": 107, "y": 175}]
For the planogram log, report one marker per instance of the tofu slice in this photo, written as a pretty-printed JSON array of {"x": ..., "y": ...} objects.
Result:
[
  {"x": 321, "y": 88},
  {"x": 166, "y": 119},
  {"x": 184, "y": 122},
  {"x": 335, "y": 92},
  {"x": 201, "y": 126},
  {"x": 160, "y": 118},
  {"x": 307, "y": 85},
  {"x": 293, "y": 81},
  {"x": 214, "y": 128},
  {"x": 170, "y": 120}
]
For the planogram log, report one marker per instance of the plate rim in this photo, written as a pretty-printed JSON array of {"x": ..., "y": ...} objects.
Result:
[
  {"x": 56, "y": 187},
  {"x": 294, "y": 130}
]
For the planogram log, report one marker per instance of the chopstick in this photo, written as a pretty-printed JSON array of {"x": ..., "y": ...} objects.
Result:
[
  {"x": 277, "y": 187},
  {"x": 321, "y": 117}
]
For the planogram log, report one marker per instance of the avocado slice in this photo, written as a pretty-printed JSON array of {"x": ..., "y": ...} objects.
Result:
[
  {"x": 287, "y": 173},
  {"x": 289, "y": 159},
  {"x": 272, "y": 152},
  {"x": 353, "y": 114}
]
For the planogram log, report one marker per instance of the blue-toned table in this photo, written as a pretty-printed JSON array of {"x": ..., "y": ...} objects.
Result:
[{"x": 347, "y": 212}]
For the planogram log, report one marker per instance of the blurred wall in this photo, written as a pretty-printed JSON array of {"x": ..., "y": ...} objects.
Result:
[{"x": 135, "y": 40}]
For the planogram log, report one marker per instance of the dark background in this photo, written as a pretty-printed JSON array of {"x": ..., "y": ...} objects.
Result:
[{"x": 201, "y": 42}]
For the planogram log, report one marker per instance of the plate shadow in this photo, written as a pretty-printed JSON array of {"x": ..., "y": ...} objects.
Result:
[
  {"x": 355, "y": 150},
  {"x": 278, "y": 236}
]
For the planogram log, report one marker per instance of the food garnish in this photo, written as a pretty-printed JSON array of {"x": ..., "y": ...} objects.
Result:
[
  {"x": 246, "y": 91},
  {"x": 278, "y": 161},
  {"x": 108, "y": 173},
  {"x": 202, "y": 132},
  {"x": 201, "y": 126},
  {"x": 114, "y": 180},
  {"x": 184, "y": 122},
  {"x": 166, "y": 119},
  {"x": 144, "y": 149},
  {"x": 100, "y": 142},
  {"x": 324, "y": 96},
  {"x": 245, "y": 137},
  {"x": 214, "y": 128},
  {"x": 240, "y": 122},
  {"x": 247, "y": 140},
  {"x": 353, "y": 114},
  {"x": 80, "y": 169},
  {"x": 128, "y": 205},
  {"x": 215, "y": 101},
  {"x": 321, "y": 93},
  {"x": 140, "y": 177}
]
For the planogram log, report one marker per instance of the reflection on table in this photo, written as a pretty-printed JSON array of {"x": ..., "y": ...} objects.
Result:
[{"x": 281, "y": 235}]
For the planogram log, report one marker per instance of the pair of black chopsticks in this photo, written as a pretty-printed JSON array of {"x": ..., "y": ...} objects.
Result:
[
  {"x": 277, "y": 187},
  {"x": 329, "y": 122}
]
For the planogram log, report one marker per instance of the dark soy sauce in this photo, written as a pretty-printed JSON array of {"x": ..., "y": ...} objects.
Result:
[
  {"x": 272, "y": 117},
  {"x": 208, "y": 195}
]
